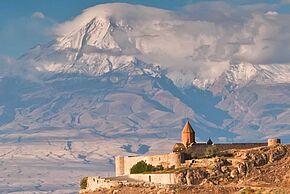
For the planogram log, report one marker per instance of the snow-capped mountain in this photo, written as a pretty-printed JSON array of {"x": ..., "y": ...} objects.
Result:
[
  {"x": 103, "y": 44},
  {"x": 129, "y": 77},
  {"x": 103, "y": 41}
]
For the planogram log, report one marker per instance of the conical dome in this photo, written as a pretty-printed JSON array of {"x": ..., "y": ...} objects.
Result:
[
  {"x": 178, "y": 147},
  {"x": 188, "y": 135},
  {"x": 209, "y": 142},
  {"x": 187, "y": 128}
]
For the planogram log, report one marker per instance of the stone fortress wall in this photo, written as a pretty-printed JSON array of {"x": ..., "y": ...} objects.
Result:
[
  {"x": 177, "y": 158},
  {"x": 94, "y": 183},
  {"x": 98, "y": 182},
  {"x": 273, "y": 141},
  {"x": 200, "y": 148},
  {"x": 123, "y": 164}
]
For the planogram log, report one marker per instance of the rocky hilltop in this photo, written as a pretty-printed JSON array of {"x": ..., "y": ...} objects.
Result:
[{"x": 262, "y": 170}]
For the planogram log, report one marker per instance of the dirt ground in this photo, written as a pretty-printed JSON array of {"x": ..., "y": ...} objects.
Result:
[{"x": 196, "y": 189}]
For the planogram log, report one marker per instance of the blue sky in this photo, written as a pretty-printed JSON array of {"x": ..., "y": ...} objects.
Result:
[{"x": 26, "y": 23}]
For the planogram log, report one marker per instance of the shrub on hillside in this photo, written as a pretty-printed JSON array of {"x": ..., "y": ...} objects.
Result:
[
  {"x": 84, "y": 183},
  {"x": 141, "y": 167}
]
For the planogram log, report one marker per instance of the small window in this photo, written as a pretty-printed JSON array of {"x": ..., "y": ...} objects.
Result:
[{"x": 94, "y": 179}]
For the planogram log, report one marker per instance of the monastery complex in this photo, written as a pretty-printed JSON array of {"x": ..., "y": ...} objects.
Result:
[
  {"x": 178, "y": 156},
  {"x": 181, "y": 157}
]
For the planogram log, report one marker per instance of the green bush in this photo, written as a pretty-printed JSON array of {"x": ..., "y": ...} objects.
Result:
[
  {"x": 141, "y": 167},
  {"x": 212, "y": 151},
  {"x": 84, "y": 183}
]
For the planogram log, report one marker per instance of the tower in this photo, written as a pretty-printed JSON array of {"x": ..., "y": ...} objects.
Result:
[{"x": 187, "y": 135}]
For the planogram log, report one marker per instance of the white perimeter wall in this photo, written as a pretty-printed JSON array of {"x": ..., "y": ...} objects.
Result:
[
  {"x": 97, "y": 182},
  {"x": 166, "y": 160},
  {"x": 156, "y": 178}
]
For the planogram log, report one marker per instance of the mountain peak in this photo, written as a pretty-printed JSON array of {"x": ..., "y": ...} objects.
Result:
[
  {"x": 106, "y": 37},
  {"x": 112, "y": 12},
  {"x": 96, "y": 33}
]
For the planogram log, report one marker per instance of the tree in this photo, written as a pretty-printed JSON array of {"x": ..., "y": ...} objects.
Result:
[{"x": 141, "y": 167}]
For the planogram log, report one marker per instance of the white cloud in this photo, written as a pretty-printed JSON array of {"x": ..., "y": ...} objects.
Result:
[
  {"x": 38, "y": 15},
  {"x": 272, "y": 13},
  {"x": 268, "y": 40},
  {"x": 12, "y": 67},
  {"x": 186, "y": 47}
]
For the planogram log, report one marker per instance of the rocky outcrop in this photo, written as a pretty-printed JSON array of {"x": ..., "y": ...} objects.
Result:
[
  {"x": 192, "y": 176},
  {"x": 255, "y": 168},
  {"x": 225, "y": 170}
]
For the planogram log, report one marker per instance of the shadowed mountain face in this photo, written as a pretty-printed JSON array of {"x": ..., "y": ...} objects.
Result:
[
  {"x": 119, "y": 105},
  {"x": 114, "y": 105},
  {"x": 258, "y": 110}
]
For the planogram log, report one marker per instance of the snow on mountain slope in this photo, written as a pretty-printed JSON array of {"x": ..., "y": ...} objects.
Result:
[
  {"x": 106, "y": 37},
  {"x": 264, "y": 74}
]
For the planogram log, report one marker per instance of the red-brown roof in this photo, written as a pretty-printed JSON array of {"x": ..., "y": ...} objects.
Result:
[{"x": 187, "y": 128}]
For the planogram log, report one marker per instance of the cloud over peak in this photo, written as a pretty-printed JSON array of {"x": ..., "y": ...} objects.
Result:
[{"x": 202, "y": 41}]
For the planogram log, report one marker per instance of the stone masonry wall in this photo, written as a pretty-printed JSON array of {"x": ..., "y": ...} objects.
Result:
[
  {"x": 119, "y": 165},
  {"x": 125, "y": 163},
  {"x": 98, "y": 182},
  {"x": 201, "y": 148}
]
